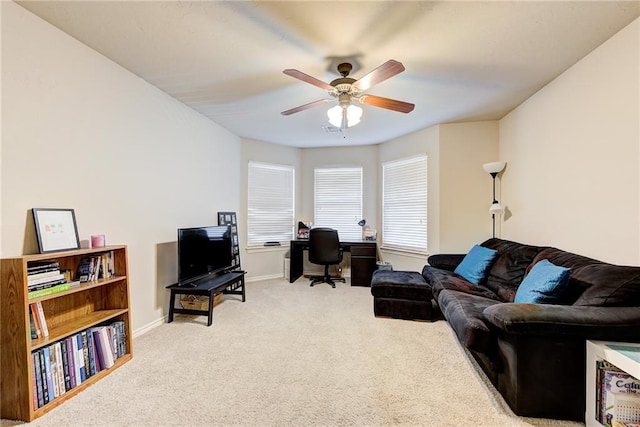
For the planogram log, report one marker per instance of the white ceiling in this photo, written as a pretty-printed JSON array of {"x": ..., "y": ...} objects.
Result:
[{"x": 464, "y": 61}]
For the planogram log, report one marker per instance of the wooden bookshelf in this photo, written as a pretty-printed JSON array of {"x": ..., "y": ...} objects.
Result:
[{"x": 67, "y": 313}]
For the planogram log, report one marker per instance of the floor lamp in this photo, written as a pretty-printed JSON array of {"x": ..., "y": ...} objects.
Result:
[{"x": 493, "y": 169}]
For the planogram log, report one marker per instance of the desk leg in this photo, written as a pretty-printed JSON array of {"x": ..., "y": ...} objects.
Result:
[
  {"x": 172, "y": 301},
  {"x": 210, "y": 316},
  {"x": 243, "y": 294},
  {"x": 296, "y": 262}
]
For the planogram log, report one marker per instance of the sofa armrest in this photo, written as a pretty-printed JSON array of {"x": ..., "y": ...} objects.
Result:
[
  {"x": 600, "y": 323},
  {"x": 445, "y": 261}
]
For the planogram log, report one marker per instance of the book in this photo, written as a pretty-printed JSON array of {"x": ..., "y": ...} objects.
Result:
[
  {"x": 54, "y": 370},
  {"x": 97, "y": 343},
  {"x": 65, "y": 365},
  {"x": 61, "y": 383},
  {"x": 34, "y": 380},
  {"x": 35, "y": 267},
  {"x": 38, "y": 378},
  {"x": 91, "y": 348},
  {"x": 34, "y": 278},
  {"x": 81, "y": 371},
  {"x": 43, "y": 376},
  {"x": 47, "y": 365},
  {"x": 49, "y": 291},
  {"x": 121, "y": 349},
  {"x": 107, "y": 346},
  {"x": 620, "y": 396},
  {"x": 83, "y": 273},
  {"x": 34, "y": 327},
  {"x": 71, "y": 355},
  {"x": 85, "y": 353},
  {"x": 42, "y": 320}
]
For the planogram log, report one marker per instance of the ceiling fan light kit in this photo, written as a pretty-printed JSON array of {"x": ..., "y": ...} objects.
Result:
[{"x": 346, "y": 89}]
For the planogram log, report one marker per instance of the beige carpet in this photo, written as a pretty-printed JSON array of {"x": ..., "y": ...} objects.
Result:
[{"x": 293, "y": 355}]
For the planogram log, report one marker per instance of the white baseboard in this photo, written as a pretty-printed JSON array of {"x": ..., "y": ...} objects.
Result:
[{"x": 149, "y": 326}]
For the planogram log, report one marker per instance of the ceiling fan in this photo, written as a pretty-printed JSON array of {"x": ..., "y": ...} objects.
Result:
[{"x": 346, "y": 89}]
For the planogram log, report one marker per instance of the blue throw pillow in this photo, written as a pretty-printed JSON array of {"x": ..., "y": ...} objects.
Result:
[
  {"x": 544, "y": 284},
  {"x": 476, "y": 263}
]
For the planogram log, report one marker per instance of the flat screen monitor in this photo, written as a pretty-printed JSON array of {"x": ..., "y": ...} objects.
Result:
[{"x": 203, "y": 251}]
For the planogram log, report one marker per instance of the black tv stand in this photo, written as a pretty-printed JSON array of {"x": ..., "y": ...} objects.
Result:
[{"x": 231, "y": 282}]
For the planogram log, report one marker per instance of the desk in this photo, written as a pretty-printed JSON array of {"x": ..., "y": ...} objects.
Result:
[
  {"x": 227, "y": 283},
  {"x": 363, "y": 260}
]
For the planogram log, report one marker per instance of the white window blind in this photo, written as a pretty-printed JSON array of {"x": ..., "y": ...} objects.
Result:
[
  {"x": 338, "y": 200},
  {"x": 404, "y": 204},
  {"x": 270, "y": 204}
]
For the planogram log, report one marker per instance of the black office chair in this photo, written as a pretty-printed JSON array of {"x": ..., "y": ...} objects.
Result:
[{"x": 324, "y": 249}]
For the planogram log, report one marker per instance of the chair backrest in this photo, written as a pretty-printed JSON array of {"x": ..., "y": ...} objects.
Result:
[{"x": 324, "y": 246}]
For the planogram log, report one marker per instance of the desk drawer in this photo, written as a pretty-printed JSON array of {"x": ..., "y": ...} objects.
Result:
[{"x": 368, "y": 250}]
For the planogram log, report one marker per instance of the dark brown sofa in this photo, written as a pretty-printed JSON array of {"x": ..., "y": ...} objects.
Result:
[{"x": 534, "y": 354}]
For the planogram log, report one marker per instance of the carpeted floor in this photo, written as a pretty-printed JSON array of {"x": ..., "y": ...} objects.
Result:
[{"x": 293, "y": 355}]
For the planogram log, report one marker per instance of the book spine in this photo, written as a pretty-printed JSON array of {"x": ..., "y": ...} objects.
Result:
[
  {"x": 43, "y": 375},
  {"x": 71, "y": 361},
  {"x": 92, "y": 353},
  {"x": 42, "y": 320},
  {"x": 47, "y": 275},
  {"x": 34, "y": 267},
  {"x": 48, "y": 291},
  {"x": 54, "y": 370},
  {"x": 65, "y": 366},
  {"x": 61, "y": 383},
  {"x": 82, "y": 373},
  {"x": 33, "y": 323},
  {"x": 98, "y": 349},
  {"x": 36, "y": 281},
  {"x": 47, "y": 367},
  {"x": 37, "y": 379},
  {"x": 85, "y": 354}
]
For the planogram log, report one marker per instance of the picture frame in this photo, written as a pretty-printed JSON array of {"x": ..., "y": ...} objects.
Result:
[{"x": 56, "y": 229}]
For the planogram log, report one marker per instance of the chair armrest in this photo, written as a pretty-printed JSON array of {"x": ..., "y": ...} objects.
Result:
[
  {"x": 445, "y": 261},
  {"x": 601, "y": 323}
]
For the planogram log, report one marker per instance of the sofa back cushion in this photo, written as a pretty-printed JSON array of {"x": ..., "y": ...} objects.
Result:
[
  {"x": 544, "y": 284},
  {"x": 596, "y": 283},
  {"x": 476, "y": 264},
  {"x": 509, "y": 266}
]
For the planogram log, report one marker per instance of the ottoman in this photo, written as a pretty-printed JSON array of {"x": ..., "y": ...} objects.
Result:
[{"x": 402, "y": 295}]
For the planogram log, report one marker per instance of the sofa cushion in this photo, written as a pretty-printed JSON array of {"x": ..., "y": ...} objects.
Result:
[
  {"x": 476, "y": 263},
  {"x": 509, "y": 268},
  {"x": 464, "y": 313},
  {"x": 545, "y": 284},
  {"x": 442, "y": 279}
]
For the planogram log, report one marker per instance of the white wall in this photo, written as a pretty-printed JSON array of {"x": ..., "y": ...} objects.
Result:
[
  {"x": 573, "y": 153},
  {"x": 465, "y": 188},
  {"x": 79, "y": 131},
  {"x": 459, "y": 192}
]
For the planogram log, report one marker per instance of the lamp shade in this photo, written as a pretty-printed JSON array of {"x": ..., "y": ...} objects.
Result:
[
  {"x": 494, "y": 167},
  {"x": 353, "y": 115}
]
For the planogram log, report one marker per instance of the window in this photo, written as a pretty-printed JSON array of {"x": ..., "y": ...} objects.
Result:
[
  {"x": 338, "y": 200},
  {"x": 404, "y": 204},
  {"x": 270, "y": 204}
]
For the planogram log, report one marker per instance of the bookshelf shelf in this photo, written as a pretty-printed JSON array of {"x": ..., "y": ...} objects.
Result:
[
  {"x": 69, "y": 315},
  {"x": 608, "y": 351}
]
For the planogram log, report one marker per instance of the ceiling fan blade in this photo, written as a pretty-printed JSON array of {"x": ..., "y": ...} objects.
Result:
[
  {"x": 308, "y": 79},
  {"x": 305, "y": 107},
  {"x": 389, "y": 104},
  {"x": 383, "y": 72}
]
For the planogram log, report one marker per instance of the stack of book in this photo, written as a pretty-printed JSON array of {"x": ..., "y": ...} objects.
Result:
[
  {"x": 69, "y": 362},
  {"x": 617, "y": 396},
  {"x": 42, "y": 276}
]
